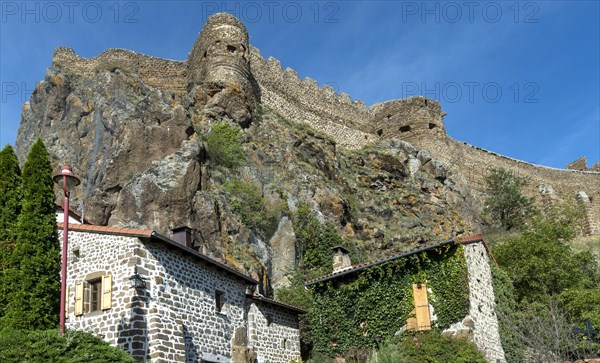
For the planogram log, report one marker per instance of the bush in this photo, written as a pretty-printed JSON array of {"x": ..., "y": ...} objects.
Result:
[
  {"x": 50, "y": 346},
  {"x": 248, "y": 203},
  {"x": 223, "y": 145},
  {"x": 430, "y": 347}
]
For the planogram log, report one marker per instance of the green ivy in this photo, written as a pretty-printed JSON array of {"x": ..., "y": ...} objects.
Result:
[{"x": 373, "y": 304}]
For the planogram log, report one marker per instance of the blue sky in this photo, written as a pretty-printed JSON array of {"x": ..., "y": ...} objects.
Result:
[{"x": 518, "y": 78}]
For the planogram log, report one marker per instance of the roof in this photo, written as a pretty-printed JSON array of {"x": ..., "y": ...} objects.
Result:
[
  {"x": 258, "y": 297},
  {"x": 151, "y": 234},
  {"x": 457, "y": 240}
]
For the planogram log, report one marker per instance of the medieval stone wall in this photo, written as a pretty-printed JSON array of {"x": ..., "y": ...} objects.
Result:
[
  {"x": 164, "y": 74},
  {"x": 546, "y": 185},
  {"x": 305, "y": 102},
  {"x": 273, "y": 333},
  {"x": 482, "y": 303}
]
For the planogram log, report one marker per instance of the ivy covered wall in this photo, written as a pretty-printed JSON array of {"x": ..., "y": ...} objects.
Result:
[{"x": 361, "y": 309}]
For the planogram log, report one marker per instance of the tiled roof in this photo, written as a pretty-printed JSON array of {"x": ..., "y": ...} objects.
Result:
[
  {"x": 258, "y": 297},
  {"x": 148, "y": 233},
  {"x": 130, "y": 232},
  {"x": 355, "y": 268}
]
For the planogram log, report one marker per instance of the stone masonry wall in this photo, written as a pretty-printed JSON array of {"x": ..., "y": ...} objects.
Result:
[
  {"x": 273, "y": 333},
  {"x": 545, "y": 184},
  {"x": 107, "y": 254},
  {"x": 164, "y": 74},
  {"x": 304, "y": 102},
  {"x": 482, "y": 309},
  {"x": 182, "y": 291},
  {"x": 174, "y": 318}
]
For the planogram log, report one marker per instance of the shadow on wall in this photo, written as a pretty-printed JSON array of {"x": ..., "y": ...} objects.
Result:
[{"x": 132, "y": 333}]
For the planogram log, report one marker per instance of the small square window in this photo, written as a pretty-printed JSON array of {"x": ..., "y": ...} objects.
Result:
[{"x": 219, "y": 301}]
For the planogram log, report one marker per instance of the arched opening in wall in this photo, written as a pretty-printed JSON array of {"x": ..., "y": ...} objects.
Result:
[
  {"x": 284, "y": 345},
  {"x": 379, "y": 132},
  {"x": 405, "y": 128},
  {"x": 231, "y": 48},
  {"x": 432, "y": 126}
]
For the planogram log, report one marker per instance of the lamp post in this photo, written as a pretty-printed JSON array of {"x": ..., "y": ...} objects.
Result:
[{"x": 66, "y": 181}]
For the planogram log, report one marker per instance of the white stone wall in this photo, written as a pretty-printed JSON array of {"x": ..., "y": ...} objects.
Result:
[
  {"x": 482, "y": 308},
  {"x": 277, "y": 342},
  {"x": 106, "y": 254}
]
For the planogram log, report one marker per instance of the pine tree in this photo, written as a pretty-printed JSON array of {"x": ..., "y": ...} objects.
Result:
[
  {"x": 34, "y": 277},
  {"x": 10, "y": 206}
]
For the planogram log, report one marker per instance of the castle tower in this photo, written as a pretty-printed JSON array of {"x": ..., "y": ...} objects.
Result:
[
  {"x": 220, "y": 56},
  {"x": 411, "y": 119}
]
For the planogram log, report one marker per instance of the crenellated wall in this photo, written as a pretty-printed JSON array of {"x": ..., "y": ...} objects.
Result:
[
  {"x": 303, "y": 101},
  {"x": 546, "y": 184},
  {"x": 164, "y": 74}
]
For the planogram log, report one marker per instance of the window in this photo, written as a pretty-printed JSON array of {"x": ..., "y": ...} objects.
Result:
[
  {"x": 269, "y": 319},
  {"x": 219, "y": 301},
  {"x": 95, "y": 288},
  {"x": 93, "y": 294}
]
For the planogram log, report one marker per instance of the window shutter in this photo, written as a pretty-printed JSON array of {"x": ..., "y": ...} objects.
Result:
[
  {"x": 79, "y": 299},
  {"x": 421, "y": 307},
  {"x": 106, "y": 292},
  {"x": 66, "y": 302}
]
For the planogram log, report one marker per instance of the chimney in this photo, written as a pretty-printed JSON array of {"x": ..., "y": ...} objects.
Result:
[
  {"x": 183, "y": 236},
  {"x": 341, "y": 260}
]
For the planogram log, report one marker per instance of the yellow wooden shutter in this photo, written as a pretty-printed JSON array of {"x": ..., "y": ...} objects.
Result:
[
  {"x": 66, "y": 302},
  {"x": 106, "y": 292},
  {"x": 421, "y": 307},
  {"x": 79, "y": 298}
]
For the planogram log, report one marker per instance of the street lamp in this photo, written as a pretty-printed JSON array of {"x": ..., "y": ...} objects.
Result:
[{"x": 66, "y": 181}]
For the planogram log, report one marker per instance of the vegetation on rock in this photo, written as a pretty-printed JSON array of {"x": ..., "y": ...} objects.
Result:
[{"x": 223, "y": 145}]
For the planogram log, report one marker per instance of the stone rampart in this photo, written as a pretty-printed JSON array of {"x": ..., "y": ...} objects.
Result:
[
  {"x": 164, "y": 74},
  {"x": 546, "y": 184},
  {"x": 305, "y": 102}
]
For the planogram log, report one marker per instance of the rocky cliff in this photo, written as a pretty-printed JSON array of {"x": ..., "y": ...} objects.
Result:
[{"x": 133, "y": 129}]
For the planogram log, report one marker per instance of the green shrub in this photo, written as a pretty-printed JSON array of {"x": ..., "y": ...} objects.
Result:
[
  {"x": 223, "y": 145},
  {"x": 248, "y": 203},
  {"x": 50, "y": 346},
  {"x": 430, "y": 347}
]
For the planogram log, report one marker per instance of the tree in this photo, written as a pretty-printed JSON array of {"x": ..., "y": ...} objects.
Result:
[
  {"x": 541, "y": 263},
  {"x": 505, "y": 203},
  {"x": 10, "y": 207},
  {"x": 33, "y": 277}
]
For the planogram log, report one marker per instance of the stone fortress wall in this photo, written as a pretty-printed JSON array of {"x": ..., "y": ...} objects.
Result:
[
  {"x": 164, "y": 74},
  {"x": 350, "y": 123}
]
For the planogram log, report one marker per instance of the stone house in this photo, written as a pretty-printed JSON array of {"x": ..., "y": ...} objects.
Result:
[
  {"x": 162, "y": 301},
  {"x": 479, "y": 325}
]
